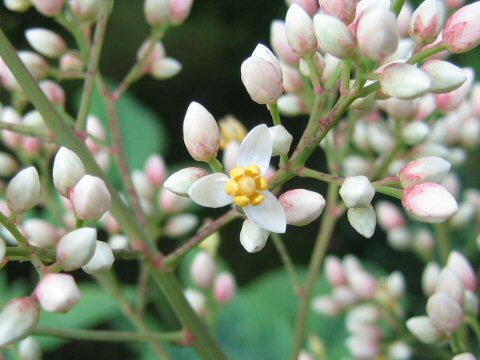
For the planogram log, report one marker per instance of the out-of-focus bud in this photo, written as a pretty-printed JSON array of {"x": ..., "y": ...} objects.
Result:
[
  {"x": 180, "y": 181},
  {"x": 354, "y": 165},
  {"x": 87, "y": 10},
  {"x": 430, "y": 277},
  {"x": 399, "y": 108},
  {"x": 301, "y": 206},
  {"x": 224, "y": 288},
  {"x": 23, "y": 191},
  {"x": 40, "y": 233},
  {"x": 395, "y": 284},
  {"x": 46, "y": 42},
  {"x": 357, "y": 192},
  {"x": 53, "y": 91},
  {"x": 415, "y": 133},
  {"x": 232, "y": 130},
  {"x": 180, "y": 225},
  {"x": 17, "y": 5},
  {"x": 326, "y": 305},
  {"x": 453, "y": 99},
  {"x": 165, "y": 68},
  {"x": 429, "y": 202},
  {"x": 57, "y": 292},
  {"x": 444, "y": 76},
  {"x": 389, "y": 216},
  {"x": 156, "y": 169},
  {"x": 197, "y": 301},
  {"x": 380, "y": 137},
  {"x": 170, "y": 202},
  {"x": 399, "y": 350},
  {"x": 252, "y": 237},
  {"x": 281, "y": 140},
  {"x": 462, "y": 31},
  {"x": 203, "y": 270},
  {"x": 426, "y": 22},
  {"x": 291, "y": 105},
  {"x": 9, "y": 115},
  {"x": 470, "y": 133},
  {"x": 444, "y": 312},
  {"x": 399, "y": 238},
  {"x": 8, "y": 164},
  {"x": 230, "y": 155},
  {"x": 68, "y": 169},
  {"x": 118, "y": 242},
  {"x": 381, "y": 25},
  {"x": 29, "y": 349},
  {"x": 180, "y": 10},
  {"x": 464, "y": 356},
  {"x": 460, "y": 265},
  {"x": 157, "y": 12},
  {"x": 76, "y": 248},
  {"x": 404, "y": 81},
  {"x": 344, "y": 296},
  {"x": 343, "y": 9},
  {"x": 300, "y": 32},
  {"x": 363, "y": 347},
  {"x": 423, "y": 329},
  {"x": 90, "y": 198},
  {"x": 403, "y": 19},
  {"x": 450, "y": 283},
  {"x": 17, "y": 319},
  {"x": 333, "y": 36},
  {"x": 71, "y": 62},
  {"x": 102, "y": 259},
  {"x": 335, "y": 271},
  {"x": 201, "y": 133},
  {"x": 427, "y": 169},
  {"x": 262, "y": 76},
  {"x": 363, "y": 220},
  {"x": 48, "y": 7},
  {"x": 142, "y": 184},
  {"x": 470, "y": 307},
  {"x": 310, "y": 6},
  {"x": 279, "y": 41},
  {"x": 96, "y": 130},
  {"x": 36, "y": 64},
  {"x": 362, "y": 283}
]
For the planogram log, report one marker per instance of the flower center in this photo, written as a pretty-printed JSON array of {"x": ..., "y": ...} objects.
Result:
[{"x": 245, "y": 186}]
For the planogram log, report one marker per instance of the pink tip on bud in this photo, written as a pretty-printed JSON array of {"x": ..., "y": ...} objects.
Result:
[
  {"x": 300, "y": 32},
  {"x": 428, "y": 169},
  {"x": 389, "y": 216},
  {"x": 429, "y": 202},
  {"x": 301, "y": 206},
  {"x": 180, "y": 10},
  {"x": 57, "y": 292},
  {"x": 426, "y": 22},
  {"x": 462, "y": 31},
  {"x": 53, "y": 91},
  {"x": 342, "y": 9},
  {"x": 23, "y": 191},
  {"x": 460, "y": 265},
  {"x": 224, "y": 288},
  {"x": 444, "y": 312},
  {"x": 203, "y": 270},
  {"x": 180, "y": 181},
  {"x": 335, "y": 271},
  {"x": 71, "y": 62},
  {"x": 17, "y": 319},
  {"x": 76, "y": 248},
  {"x": 310, "y": 6},
  {"x": 279, "y": 41},
  {"x": 48, "y": 7},
  {"x": 333, "y": 36},
  {"x": 90, "y": 198}
]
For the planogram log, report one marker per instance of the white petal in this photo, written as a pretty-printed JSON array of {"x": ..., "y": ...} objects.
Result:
[
  {"x": 269, "y": 215},
  {"x": 256, "y": 148},
  {"x": 363, "y": 220},
  {"x": 210, "y": 191}
]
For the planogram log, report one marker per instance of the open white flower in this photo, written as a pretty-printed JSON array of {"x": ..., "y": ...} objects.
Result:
[{"x": 246, "y": 186}]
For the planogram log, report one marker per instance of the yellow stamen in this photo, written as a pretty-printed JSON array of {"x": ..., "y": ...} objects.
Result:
[
  {"x": 256, "y": 199},
  {"x": 232, "y": 188},
  {"x": 262, "y": 183},
  {"x": 245, "y": 186},
  {"x": 236, "y": 172},
  {"x": 252, "y": 170},
  {"x": 241, "y": 201}
]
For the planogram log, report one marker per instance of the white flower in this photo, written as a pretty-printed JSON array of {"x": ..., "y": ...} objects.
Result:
[{"x": 246, "y": 186}]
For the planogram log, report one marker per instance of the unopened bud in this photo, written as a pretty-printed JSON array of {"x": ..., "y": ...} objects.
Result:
[
  {"x": 40, "y": 233},
  {"x": 76, "y": 248},
  {"x": 102, "y": 259},
  {"x": 404, "y": 81},
  {"x": 57, "y": 292},
  {"x": 71, "y": 62},
  {"x": 118, "y": 242},
  {"x": 428, "y": 169},
  {"x": 464, "y": 356},
  {"x": 399, "y": 238},
  {"x": 310, "y": 6},
  {"x": 362, "y": 347},
  {"x": 444, "y": 76},
  {"x": 333, "y": 36},
  {"x": 17, "y": 319},
  {"x": 300, "y": 32},
  {"x": 430, "y": 278},
  {"x": 279, "y": 41},
  {"x": 426, "y": 22},
  {"x": 165, "y": 68},
  {"x": 95, "y": 131},
  {"x": 180, "y": 225},
  {"x": 415, "y": 133},
  {"x": 444, "y": 312},
  {"x": 197, "y": 301},
  {"x": 156, "y": 169},
  {"x": 142, "y": 185},
  {"x": 334, "y": 271},
  {"x": 422, "y": 328},
  {"x": 8, "y": 165},
  {"x": 462, "y": 31},
  {"x": 252, "y": 237},
  {"x": 470, "y": 307},
  {"x": 86, "y": 9},
  {"x": 281, "y": 140},
  {"x": 68, "y": 169},
  {"x": 341, "y": 9},
  {"x": 46, "y": 42},
  {"x": 180, "y": 10},
  {"x": 357, "y": 191},
  {"x": 203, "y": 270},
  {"x": 453, "y": 99},
  {"x": 363, "y": 220},
  {"x": 48, "y": 7},
  {"x": 301, "y": 206},
  {"x": 389, "y": 216},
  {"x": 224, "y": 288},
  {"x": 23, "y": 191},
  {"x": 362, "y": 283},
  {"x": 399, "y": 350},
  {"x": 180, "y": 182},
  {"x": 170, "y": 202},
  {"x": 460, "y": 265},
  {"x": 17, "y": 5},
  {"x": 450, "y": 283},
  {"x": 90, "y": 198},
  {"x": 291, "y": 105},
  {"x": 157, "y": 12},
  {"x": 29, "y": 349}
]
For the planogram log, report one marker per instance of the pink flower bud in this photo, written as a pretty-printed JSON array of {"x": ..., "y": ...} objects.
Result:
[
  {"x": 262, "y": 76},
  {"x": 29, "y": 349},
  {"x": 203, "y": 270},
  {"x": 301, "y": 206},
  {"x": 101, "y": 261},
  {"x": 404, "y": 81},
  {"x": 310, "y": 6},
  {"x": 444, "y": 312},
  {"x": 165, "y": 68},
  {"x": 460, "y": 265},
  {"x": 68, "y": 169},
  {"x": 325, "y": 305},
  {"x": 201, "y": 133},
  {"x": 357, "y": 191},
  {"x": 426, "y": 22},
  {"x": 95, "y": 132},
  {"x": 450, "y": 283},
  {"x": 333, "y": 36},
  {"x": 462, "y": 31},
  {"x": 157, "y": 12},
  {"x": 300, "y": 32},
  {"x": 252, "y": 237},
  {"x": 453, "y": 99},
  {"x": 464, "y": 356},
  {"x": 48, "y": 7},
  {"x": 90, "y": 198},
  {"x": 224, "y": 288},
  {"x": 17, "y": 5},
  {"x": 377, "y": 33},
  {"x": 389, "y": 216},
  {"x": 342, "y": 9},
  {"x": 279, "y": 41},
  {"x": 53, "y": 92},
  {"x": 180, "y": 182},
  {"x": 46, "y": 42},
  {"x": 40, "y": 233},
  {"x": 427, "y": 169},
  {"x": 71, "y": 62},
  {"x": 57, "y": 292},
  {"x": 292, "y": 79},
  {"x": 180, "y": 10},
  {"x": 37, "y": 65},
  {"x": 17, "y": 319},
  {"x": 344, "y": 296},
  {"x": 335, "y": 271},
  {"x": 197, "y": 301},
  {"x": 362, "y": 283},
  {"x": 156, "y": 169},
  {"x": 10, "y": 115},
  {"x": 23, "y": 191},
  {"x": 363, "y": 347},
  {"x": 444, "y": 76},
  {"x": 86, "y": 9},
  {"x": 171, "y": 202},
  {"x": 181, "y": 225},
  {"x": 76, "y": 248},
  {"x": 422, "y": 328},
  {"x": 363, "y": 220},
  {"x": 429, "y": 202}
]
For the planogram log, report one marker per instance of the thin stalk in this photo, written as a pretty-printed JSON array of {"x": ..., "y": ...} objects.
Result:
[
  {"x": 26, "y": 130},
  {"x": 215, "y": 165},
  {"x": 287, "y": 261},
  {"x": 314, "y": 77},
  {"x": 142, "y": 287},
  {"x": 444, "y": 246},
  {"x": 273, "y": 108},
  {"x": 309, "y": 173},
  {"x": 393, "y": 192},
  {"x": 108, "y": 336},
  {"x": 424, "y": 54}
]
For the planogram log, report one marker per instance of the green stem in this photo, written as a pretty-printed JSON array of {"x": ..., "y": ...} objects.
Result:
[
  {"x": 108, "y": 336},
  {"x": 397, "y": 6},
  {"x": 472, "y": 321},
  {"x": 422, "y": 55},
  {"x": 444, "y": 246},
  {"x": 396, "y": 193},
  {"x": 326, "y": 230},
  {"x": 26, "y": 130},
  {"x": 273, "y": 108},
  {"x": 92, "y": 67},
  {"x": 287, "y": 261},
  {"x": 309, "y": 173},
  {"x": 314, "y": 77},
  {"x": 215, "y": 165},
  {"x": 76, "y": 30}
]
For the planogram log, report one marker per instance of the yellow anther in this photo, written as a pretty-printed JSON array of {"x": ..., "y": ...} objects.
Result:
[
  {"x": 256, "y": 199},
  {"x": 236, "y": 172},
  {"x": 262, "y": 183},
  {"x": 241, "y": 201},
  {"x": 246, "y": 186},
  {"x": 232, "y": 188},
  {"x": 252, "y": 170}
]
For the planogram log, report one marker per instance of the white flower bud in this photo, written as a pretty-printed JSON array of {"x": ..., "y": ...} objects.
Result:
[
  {"x": 156, "y": 169},
  {"x": 76, "y": 248},
  {"x": 301, "y": 206},
  {"x": 86, "y": 9},
  {"x": 362, "y": 347},
  {"x": 90, "y": 198},
  {"x": 171, "y": 202},
  {"x": 357, "y": 191},
  {"x": 17, "y": 319},
  {"x": 464, "y": 356},
  {"x": 23, "y": 191},
  {"x": 363, "y": 220},
  {"x": 449, "y": 283},
  {"x": 157, "y": 12},
  {"x": 71, "y": 62},
  {"x": 57, "y": 292},
  {"x": 426, "y": 22},
  {"x": 17, "y": 5},
  {"x": 453, "y": 99},
  {"x": 415, "y": 133},
  {"x": 470, "y": 307},
  {"x": 333, "y": 36},
  {"x": 291, "y": 105},
  {"x": 252, "y": 237},
  {"x": 364, "y": 314},
  {"x": 300, "y": 32},
  {"x": 344, "y": 296},
  {"x": 399, "y": 238},
  {"x": 203, "y": 270},
  {"x": 389, "y": 216},
  {"x": 430, "y": 278},
  {"x": 399, "y": 350},
  {"x": 404, "y": 81},
  {"x": 8, "y": 165},
  {"x": 460, "y": 265},
  {"x": 280, "y": 45},
  {"x": 180, "y": 181},
  {"x": 180, "y": 225},
  {"x": 281, "y": 140},
  {"x": 362, "y": 283},
  {"x": 48, "y": 7},
  {"x": 40, "y": 233},
  {"x": 142, "y": 184},
  {"x": 224, "y": 288},
  {"x": 326, "y": 305},
  {"x": 444, "y": 76},
  {"x": 335, "y": 271},
  {"x": 30, "y": 349},
  {"x": 444, "y": 312},
  {"x": 399, "y": 108},
  {"x": 422, "y": 328},
  {"x": 200, "y": 133},
  {"x": 341, "y": 9},
  {"x": 101, "y": 261},
  {"x": 53, "y": 91},
  {"x": 68, "y": 169},
  {"x": 197, "y": 301},
  {"x": 165, "y": 68},
  {"x": 46, "y": 42},
  {"x": 427, "y": 169},
  {"x": 118, "y": 242}
]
